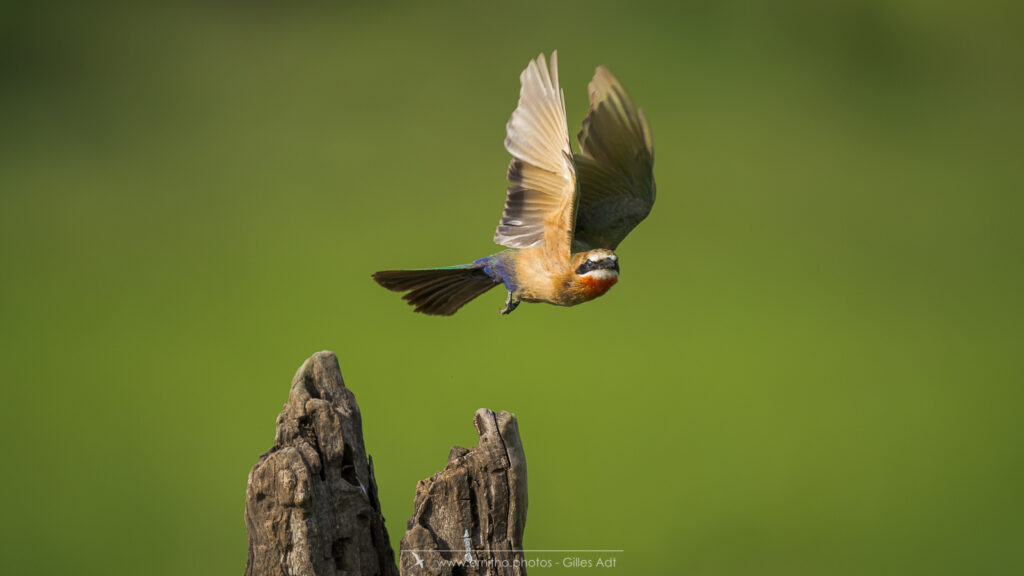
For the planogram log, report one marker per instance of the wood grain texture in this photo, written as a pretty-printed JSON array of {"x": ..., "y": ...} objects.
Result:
[
  {"x": 311, "y": 506},
  {"x": 480, "y": 499}
]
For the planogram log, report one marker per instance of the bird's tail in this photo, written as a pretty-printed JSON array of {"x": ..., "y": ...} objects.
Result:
[{"x": 438, "y": 291}]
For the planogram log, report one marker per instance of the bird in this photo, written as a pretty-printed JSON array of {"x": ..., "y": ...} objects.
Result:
[{"x": 565, "y": 213}]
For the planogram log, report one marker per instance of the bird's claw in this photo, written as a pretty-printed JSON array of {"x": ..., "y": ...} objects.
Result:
[{"x": 510, "y": 305}]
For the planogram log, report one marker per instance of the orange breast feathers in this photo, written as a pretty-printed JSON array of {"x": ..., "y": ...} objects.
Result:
[{"x": 594, "y": 286}]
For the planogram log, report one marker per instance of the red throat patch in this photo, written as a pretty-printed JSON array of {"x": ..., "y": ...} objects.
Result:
[{"x": 594, "y": 287}]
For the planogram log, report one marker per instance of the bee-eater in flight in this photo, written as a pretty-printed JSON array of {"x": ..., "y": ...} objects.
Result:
[{"x": 564, "y": 213}]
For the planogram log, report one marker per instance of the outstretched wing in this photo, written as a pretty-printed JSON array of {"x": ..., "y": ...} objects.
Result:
[
  {"x": 615, "y": 166},
  {"x": 541, "y": 202}
]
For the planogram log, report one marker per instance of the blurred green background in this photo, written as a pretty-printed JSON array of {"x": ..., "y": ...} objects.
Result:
[{"x": 812, "y": 365}]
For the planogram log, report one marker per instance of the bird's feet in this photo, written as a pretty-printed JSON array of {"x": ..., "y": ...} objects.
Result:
[{"x": 510, "y": 305}]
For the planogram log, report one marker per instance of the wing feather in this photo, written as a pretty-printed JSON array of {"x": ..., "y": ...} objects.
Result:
[
  {"x": 615, "y": 166},
  {"x": 541, "y": 201}
]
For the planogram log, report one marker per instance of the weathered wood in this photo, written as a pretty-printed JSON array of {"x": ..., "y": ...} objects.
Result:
[
  {"x": 311, "y": 506},
  {"x": 469, "y": 518}
]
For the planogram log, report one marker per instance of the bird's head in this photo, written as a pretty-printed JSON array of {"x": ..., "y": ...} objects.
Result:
[{"x": 596, "y": 271}]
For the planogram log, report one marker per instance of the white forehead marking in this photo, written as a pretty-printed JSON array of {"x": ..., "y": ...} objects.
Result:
[
  {"x": 603, "y": 274},
  {"x": 601, "y": 256}
]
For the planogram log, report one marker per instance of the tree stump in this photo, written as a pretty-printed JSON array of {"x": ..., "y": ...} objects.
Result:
[
  {"x": 469, "y": 518},
  {"x": 311, "y": 506}
]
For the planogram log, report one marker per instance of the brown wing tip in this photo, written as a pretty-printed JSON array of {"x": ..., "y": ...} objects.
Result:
[{"x": 603, "y": 80}]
